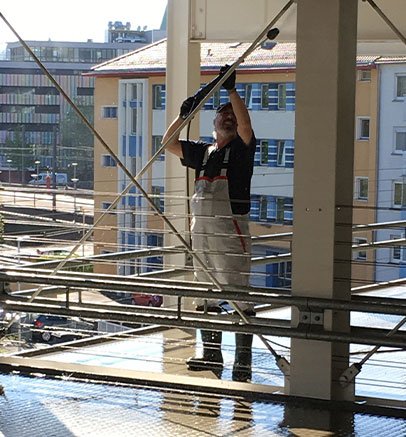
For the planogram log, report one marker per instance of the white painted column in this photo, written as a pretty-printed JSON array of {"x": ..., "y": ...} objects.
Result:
[
  {"x": 182, "y": 80},
  {"x": 326, "y": 51}
]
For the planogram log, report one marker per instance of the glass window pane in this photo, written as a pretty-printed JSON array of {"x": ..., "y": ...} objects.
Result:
[
  {"x": 280, "y": 210},
  {"x": 264, "y": 151},
  {"x": 401, "y": 86},
  {"x": 282, "y": 96},
  {"x": 400, "y": 144},
  {"x": 399, "y": 197},
  {"x": 264, "y": 96},
  {"x": 363, "y": 188},
  {"x": 247, "y": 95},
  {"x": 263, "y": 208},
  {"x": 364, "y": 128},
  {"x": 280, "y": 160}
]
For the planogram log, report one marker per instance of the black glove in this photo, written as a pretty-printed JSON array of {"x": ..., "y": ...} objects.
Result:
[
  {"x": 229, "y": 84},
  {"x": 187, "y": 107}
]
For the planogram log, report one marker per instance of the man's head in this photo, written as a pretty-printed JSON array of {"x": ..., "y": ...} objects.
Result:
[{"x": 225, "y": 122}]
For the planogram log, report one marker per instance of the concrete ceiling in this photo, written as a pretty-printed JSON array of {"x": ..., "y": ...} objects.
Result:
[{"x": 242, "y": 20}]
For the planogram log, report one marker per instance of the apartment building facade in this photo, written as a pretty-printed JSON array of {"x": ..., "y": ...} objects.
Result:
[
  {"x": 36, "y": 122},
  {"x": 391, "y": 204}
]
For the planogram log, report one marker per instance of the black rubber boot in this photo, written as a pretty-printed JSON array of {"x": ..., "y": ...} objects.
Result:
[
  {"x": 243, "y": 358},
  {"x": 212, "y": 358}
]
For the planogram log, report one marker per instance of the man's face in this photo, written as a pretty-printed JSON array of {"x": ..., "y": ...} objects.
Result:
[{"x": 225, "y": 121}]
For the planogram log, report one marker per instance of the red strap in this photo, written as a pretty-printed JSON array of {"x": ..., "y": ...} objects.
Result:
[{"x": 239, "y": 233}]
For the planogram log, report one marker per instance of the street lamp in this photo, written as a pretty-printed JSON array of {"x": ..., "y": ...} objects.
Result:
[
  {"x": 37, "y": 163},
  {"x": 75, "y": 181},
  {"x": 9, "y": 161}
]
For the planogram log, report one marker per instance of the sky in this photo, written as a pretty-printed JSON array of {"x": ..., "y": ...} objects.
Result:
[{"x": 74, "y": 20}]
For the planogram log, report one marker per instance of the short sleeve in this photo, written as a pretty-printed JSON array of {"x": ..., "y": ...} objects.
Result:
[{"x": 193, "y": 152}]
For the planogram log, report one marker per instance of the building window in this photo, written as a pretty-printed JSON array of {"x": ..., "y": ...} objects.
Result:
[
  {"x": 157, "y": 197},
  {"x": 264, "y": 150},
  {"x": 398, "y": 252},
  {"x": 248, "y": 95},
  {"x": 156, "y": 145},
  {"x": 109, "y": 112},
  {"x": 216, "y": 99},
  {"x": 282, "y": 96},
  {"x": 135, "y": 120},
  {"x": 134, "y": 93},
  {"x": 285, "y": 274},
  {"x": 280, "y": 153},
  {"x": 133, "y": 165},
  {"x": 107, "y": 205},
  {"x": 264, "y": 96},
  {"x": 360, "y": 255},
  {"x": 364, "y": 75},
  {"x": 400, "y": 86},
  {"x": 108, "y": 161},
  {"x": 82, "y": 91},
  {"x": 263, "y": 208},
  {"x": 361, "y": 188},
  {"x": 399, "y": 194},
  {"x": 157, "y": 91},
  {"x": 400, "y": 140},
  {"x": 280, "y": 210},
  {"x": 363, "y": 128}
]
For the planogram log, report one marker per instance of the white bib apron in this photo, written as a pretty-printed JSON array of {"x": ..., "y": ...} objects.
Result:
[{"x": 221, "y": 239}]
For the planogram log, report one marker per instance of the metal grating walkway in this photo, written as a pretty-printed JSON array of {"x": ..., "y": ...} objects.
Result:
[{"x": 51, "y": 407}]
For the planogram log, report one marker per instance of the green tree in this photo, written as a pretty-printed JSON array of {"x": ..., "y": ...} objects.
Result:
[
  {"x": 16, "y": 149},
  {"x": 77, "y": 141}
]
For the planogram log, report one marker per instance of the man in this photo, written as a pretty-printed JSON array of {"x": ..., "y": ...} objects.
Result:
[{"x": 220, "y": 208}]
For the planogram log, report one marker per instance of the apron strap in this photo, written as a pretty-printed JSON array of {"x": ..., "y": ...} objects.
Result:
[{"x": 224, "y": 166}]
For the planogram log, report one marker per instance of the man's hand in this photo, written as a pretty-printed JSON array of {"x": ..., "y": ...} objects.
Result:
[
  {"x": 187, "y": 107},
  {"x": 229, "y": 84}
]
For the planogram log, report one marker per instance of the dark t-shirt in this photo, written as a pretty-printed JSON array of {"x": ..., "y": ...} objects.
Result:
[{"x": 239, "y": 171}]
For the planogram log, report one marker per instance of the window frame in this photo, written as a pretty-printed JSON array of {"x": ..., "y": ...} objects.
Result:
[
  {"x": 282, "y": 96},
  {"x": 156, "y": 145},
  {"x": 363, "y": 78},
  {"x": 106, "y": 205},
  {"x": 402, "y": 203},
  {"x": 248, "y": 95},
  {"x": 105, "y": 112},
  {"x": 216, "y": 99},
  {"x": 280, "y": 163},
  {"x": 401, "y": 249},
  {"x": 157, "y": 100},
  {"x": 360, "y": 255},
  {"x": 279, "y": 212},
  {"x": 107, "y": 161},
  {"x": 263, "y": 144},
  {"x": 358, "y": 188},
  {"x": 156, "y": 196},
  {"x": 263, "y": 209},
  {"x": 265, "y": 96},
  {"x": 396, "y": 131},
  {"x": 360, "y": 121},
  {"x": 397, "y": 94}
]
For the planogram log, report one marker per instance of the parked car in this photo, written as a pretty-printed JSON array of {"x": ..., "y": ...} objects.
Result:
[
  {"x": 50, "y": 328},
  {"x": 148, "y": 300}
]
